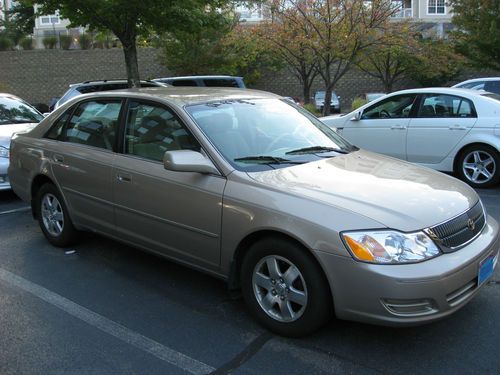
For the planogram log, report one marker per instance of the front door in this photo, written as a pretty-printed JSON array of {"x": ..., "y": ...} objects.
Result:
[
  {"x": 383, "y": 126},
  {"x": 177, "y": 214}
]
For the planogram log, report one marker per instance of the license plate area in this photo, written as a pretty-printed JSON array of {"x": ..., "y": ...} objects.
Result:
[{"x": 486, "y": 268}]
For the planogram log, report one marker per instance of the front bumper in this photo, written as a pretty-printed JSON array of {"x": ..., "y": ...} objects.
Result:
[
  {"x": 412, "y": 294},
  {"x": 4, "y": 178}
]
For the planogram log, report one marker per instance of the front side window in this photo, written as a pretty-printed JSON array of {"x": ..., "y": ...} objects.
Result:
[
  {"x": 438, "y": 105},
  {"x": 262, "y": 134},
  {"x": 153, "y": 130},
  {"x": 394, "y": 107},
  {"x": 15, "y": 111},
  {"x": 436, "y": 7},
  {"x": 94, "y": 123}
]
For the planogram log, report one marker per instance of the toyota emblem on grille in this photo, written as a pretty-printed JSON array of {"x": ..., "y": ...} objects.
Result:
[{"x": 471, "y": 225}]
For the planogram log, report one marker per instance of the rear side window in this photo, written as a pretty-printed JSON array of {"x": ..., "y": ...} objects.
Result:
[
  {"x": 438, "y": 105},
  {"x": 93, "y": 123},
  {"x": 184, "y": 82},
  {"x": 492, "y": 86},
  {"x": 220, "y": 82}
]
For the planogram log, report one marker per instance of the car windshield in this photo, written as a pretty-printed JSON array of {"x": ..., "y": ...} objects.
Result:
[
  {"x": 15, "y": 111},
  {"x": 262, "y": 134}
]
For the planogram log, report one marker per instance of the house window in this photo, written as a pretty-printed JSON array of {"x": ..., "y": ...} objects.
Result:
[
  {"x": 52, "y": 19},
  {"x": 436, "y": 7}
]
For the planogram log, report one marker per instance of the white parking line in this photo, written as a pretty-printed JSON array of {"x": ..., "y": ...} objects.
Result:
[
  {"x": 160, "y": 351},
  {"x": 22, "y": 209}
]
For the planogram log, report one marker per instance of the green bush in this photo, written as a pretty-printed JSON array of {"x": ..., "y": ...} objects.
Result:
[
  {"x": 85, "y": 41},
  {"x": 26, "y": 43},
  {"x": 6, "y": 43},
  {"x": 50, "y": 42},
  {"x": 358, "y": 102},
  {"x": 65, "y": 41},
  {"x": 311, "y": 108}
]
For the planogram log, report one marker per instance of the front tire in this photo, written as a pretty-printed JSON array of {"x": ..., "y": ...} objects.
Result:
[
  {"x": 479, "y": 166},
  {"x": 53, "y": 217},
  {"x": 284, "y": 288}
]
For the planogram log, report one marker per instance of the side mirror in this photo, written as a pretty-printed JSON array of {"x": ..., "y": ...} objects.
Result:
[
  {"x": 188, "y": 161},
  {"x": 357, "y": 116}
]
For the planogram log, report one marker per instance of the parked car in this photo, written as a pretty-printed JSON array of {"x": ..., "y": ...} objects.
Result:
[
  {"x": 204, "y": 81},
  {"x": 447, "y": 129},
  {"x": 491, "y": 84},
  {"x": 15, "y": 116},
  {"x": 86, "y": 87},
  {"x": 250, "y": 188},
  {"x": 319, "y": 101}
]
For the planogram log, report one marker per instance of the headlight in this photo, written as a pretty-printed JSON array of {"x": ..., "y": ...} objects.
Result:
[
  {"x": 4, "y": 152},
  {"x": 390, "y": 247}
]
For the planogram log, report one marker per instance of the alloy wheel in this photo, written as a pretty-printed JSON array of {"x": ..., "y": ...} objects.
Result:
[
  {"x": 280, "y": 288},
  {"x": 479, "y": 166},
  {"x": 52, "y": 215}
]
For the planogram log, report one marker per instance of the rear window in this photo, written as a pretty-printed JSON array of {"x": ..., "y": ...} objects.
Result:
[{"x": 14, "y": 111}]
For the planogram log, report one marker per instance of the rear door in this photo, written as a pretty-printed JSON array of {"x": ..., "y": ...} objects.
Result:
[
  {"x": 441, "y": 122},
  {"x": 177, "y": 214}
]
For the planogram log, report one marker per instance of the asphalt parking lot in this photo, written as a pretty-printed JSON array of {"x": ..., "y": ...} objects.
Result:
[{"x": 104, "y": 308}]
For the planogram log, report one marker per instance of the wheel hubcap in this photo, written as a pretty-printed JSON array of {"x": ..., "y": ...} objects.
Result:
[
  {"x": 52, "y": 215},
  {"x": 279, "y": 288},
  {"x": 479, "y": 167}
]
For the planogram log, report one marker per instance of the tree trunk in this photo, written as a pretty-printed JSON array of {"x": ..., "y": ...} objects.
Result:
[
  {"x": 328, "y": 99},
  {"x": 306, "y": 90},
  {"x": 130, "y": 51}
]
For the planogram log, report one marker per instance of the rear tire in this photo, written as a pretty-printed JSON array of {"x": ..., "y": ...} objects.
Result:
[
  {"x": 53, "y": 217},
  {"x": 479, "y": 166},
  {"x": 284, "y": 288}
]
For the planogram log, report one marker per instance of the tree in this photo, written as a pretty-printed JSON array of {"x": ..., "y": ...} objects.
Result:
[
  {"x": 337, "y": 31},
  {"x": 391, "y": 60},
  {"x": 129, "y": 19},
  {"x": 223, "y": 47},
  {"x": 289, "y": 39},
  {"x": 19, "y": 21},
  {"x": 478, "y": 35},
  {"x": 434, "y": 62}
]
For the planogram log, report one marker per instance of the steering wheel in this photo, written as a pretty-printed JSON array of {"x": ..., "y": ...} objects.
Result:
[{"x": 384, "y": 114}]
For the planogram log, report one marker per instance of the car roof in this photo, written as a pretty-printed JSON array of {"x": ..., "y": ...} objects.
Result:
[
  {"x": 199, "y": 77},
  {"x": 472, "y": 80},
  {"x": 182, "y": 96},
  {"x": 438, "y": 90},
  {"x": 106, "y": 82}
]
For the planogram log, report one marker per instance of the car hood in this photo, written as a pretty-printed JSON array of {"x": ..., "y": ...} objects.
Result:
[
  {"x": 6, "y": 131},
  {"x": 397, "y": 194}
]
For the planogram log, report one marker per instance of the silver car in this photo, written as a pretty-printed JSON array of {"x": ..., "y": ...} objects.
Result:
[
  {"x": 15, "y": 116},
  {"x": 251, "y": 188}
]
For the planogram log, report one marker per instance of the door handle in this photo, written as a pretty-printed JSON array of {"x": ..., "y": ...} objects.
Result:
[
  {"x": 58, "y": 158},
  {"x": 123, "y": 177},
  {"x": 398, "y": 127},
  {"x": 457, "y": 127}
]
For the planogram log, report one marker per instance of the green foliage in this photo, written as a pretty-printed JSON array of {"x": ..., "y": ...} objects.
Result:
[
  {"x": 21, "y": 18},
  {"x": 85, "y": 41},
  {"x": 311, "y": 108},
  {"x": 26, "y": 43},
  {"x": 65, "y": 41},
  {"x": 358, "y": 102},
  {"x": 478, "y": 35},
  {"x": 434, "y": 63},
  {"x": 102, "y": 40},
  {"x": 6, "y": 43},
  {"x": 129, "y": 19},
  {"x": 50, "y": 42}
]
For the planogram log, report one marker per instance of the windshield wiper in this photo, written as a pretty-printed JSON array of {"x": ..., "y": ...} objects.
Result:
[
  {"x": 264, "y": 159},
  {"x": 316, "y": 150}
]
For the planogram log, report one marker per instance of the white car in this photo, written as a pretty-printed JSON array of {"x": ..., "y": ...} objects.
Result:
[
  {"x": 491, "y": 84},
  {"x": 447, "y": 129}
]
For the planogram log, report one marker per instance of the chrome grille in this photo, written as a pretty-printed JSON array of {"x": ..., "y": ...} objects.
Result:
[{"x": 460, "y": 230}]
